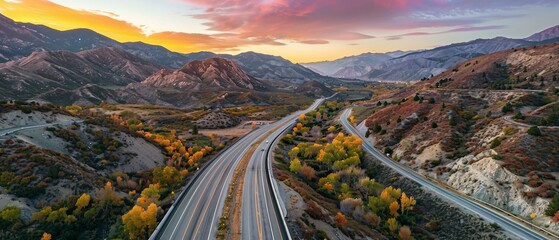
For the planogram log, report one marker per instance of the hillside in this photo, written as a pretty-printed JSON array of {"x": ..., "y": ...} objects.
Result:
[
  {"x": 212, "y": 73},
  {"x": 349, "y": 67},
  {"x": 550, "y": 33},
  {"x": 314, "y": 89},
  {"x": 45, "y": 71},
  {"x": 470, "y": 127}
]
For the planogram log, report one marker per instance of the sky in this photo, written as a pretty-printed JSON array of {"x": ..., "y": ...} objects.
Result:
[{"x": 298, "y": 30}]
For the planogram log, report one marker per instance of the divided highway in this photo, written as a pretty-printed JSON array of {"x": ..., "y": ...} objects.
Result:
[
  {"x": 492, "y": 215},
  {"x": 262, "y": 213},
  {"x": 196, "y": 213}
]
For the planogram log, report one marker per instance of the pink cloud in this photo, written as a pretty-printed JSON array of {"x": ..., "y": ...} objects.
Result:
[
  {"x": 312, "y": 20},
  {"x": 460, "y": 29}
]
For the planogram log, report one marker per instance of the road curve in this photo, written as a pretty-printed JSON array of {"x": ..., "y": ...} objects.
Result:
[
  {"x": 503, "y": 219},
  {"x": 8, "y": 131},
  {"x": 262, "y": 214},
  {"x": 196, "y": 212}
]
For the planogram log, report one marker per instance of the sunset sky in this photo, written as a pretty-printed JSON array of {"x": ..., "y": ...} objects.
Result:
[{"x": 299, "y": 30}]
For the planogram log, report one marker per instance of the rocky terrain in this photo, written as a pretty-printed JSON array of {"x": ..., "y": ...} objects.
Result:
[
  {"x": 42, "y": 72},
  {"x": 217, "y": 119},
  {"x": 473, "y": 127}
]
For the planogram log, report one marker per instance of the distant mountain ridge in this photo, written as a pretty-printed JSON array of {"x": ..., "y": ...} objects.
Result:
[
  {"x": 549, "y": 33},
  {"x": 422, "y": 64},
  {"x": 18, "y": 40}
]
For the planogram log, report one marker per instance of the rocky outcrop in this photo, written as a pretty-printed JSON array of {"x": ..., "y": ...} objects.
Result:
[
  {"x": 485, "y": 179},
  {"x": 216, "y": 73},
  {"x": 218, "y": 119}
]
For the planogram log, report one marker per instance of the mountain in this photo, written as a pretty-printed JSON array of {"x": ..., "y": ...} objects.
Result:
[
  {"x": 314, "y": 89},
  {"x": 417, "y": 65},
  {"x": 18, "y": 40},
  {"x": 547, "y": 34},
  {"x": 44, "y": 71},
  {"x": 211, "y": 73},
  {"x": 349, "y": 67},
  {"x": 268, "y": 67}
]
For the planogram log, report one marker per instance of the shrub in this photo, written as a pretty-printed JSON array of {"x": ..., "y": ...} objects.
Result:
[
  {"x": 495, "y": 143},
  {"x": 534, "y": 131},
  {"x": 434, "y": 125}
]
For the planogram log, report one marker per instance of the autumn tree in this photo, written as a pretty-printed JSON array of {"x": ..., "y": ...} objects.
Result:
[
  {"x": 394, "y": 207},
  {"x": 140, "y": 222},
  {"x": 405, "y": 233},
  {"x": 308, "y": 171},
  {"x": 46, "y": 236},
  {"x": 168, "y": 176},
  {"x": 10, "y": 214},
  {"x": 392, "y": 224},
  {"x": 341, "y": 220},
  {"x": 83, "y": 201},
  {"x": 407, "y": 203},
  {"x": 295, "y": 165}
]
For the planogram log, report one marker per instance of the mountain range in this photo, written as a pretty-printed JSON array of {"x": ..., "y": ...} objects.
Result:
[{"x": 423, "y": 64}]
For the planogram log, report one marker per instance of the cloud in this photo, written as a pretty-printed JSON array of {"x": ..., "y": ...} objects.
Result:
[
  {"x": 346, "y": 20},
  {"x": 460, "y": 29},
  {"x": 104, "y": 23},
  {"x": 314, "y": 41}
]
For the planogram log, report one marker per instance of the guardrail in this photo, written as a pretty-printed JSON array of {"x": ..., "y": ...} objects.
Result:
[
  {"x": 279, "y": 205},
  {"x": 163, "y": 223},
  {"x": 483, "y": 205}
]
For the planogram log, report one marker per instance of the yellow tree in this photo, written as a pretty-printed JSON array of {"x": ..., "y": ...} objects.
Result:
[
  {"x": 83, "y": 201},
  {"x": 392, "y": 224},
  {"x": 394, "y": 206},
  {"x": 407, "y": 202},
  {"x": 140, "y": 222},
  {"x": 46, "y": 236},
  {"x": 295, "y": 165}
]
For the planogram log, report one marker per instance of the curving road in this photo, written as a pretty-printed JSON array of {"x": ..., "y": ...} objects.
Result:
[
  {"x": 504, "y": 220},
  {"x": 196, "y": 212},
  {"x": 8, "y": 131}
]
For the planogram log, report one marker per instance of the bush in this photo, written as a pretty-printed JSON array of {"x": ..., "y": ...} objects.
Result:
[
  {"x": 534, "y": 131},
  {"x": 388, "y": 150},
  {"x": 495, "y": 143},
  {"x": 553, "y": 206},
  {"x": 507, "y": 108},
  {"x": 434, "y": 125}
]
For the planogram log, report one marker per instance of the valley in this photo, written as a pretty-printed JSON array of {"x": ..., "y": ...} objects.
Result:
[{"x": 430, "y": 127}]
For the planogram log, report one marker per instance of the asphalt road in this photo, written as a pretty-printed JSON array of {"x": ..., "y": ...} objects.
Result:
[
  {"x": 261, "y": 214},
  {"x": 505, "y": 221},
  {"x": 196, "y": 213},
  {"x": 8, "y": 131}
]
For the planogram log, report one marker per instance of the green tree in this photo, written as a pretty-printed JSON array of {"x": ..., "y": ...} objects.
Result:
[
  {"x": 507, "y": 108},
  {"x": 495, "y": 143},
  {"x": 295, "y": 165},
  {"x": 434, "y": 125},
  {"x": 10, "y": 214},
  {"x": 553, "y": 206},
  {"x": 534, "y": 131}
]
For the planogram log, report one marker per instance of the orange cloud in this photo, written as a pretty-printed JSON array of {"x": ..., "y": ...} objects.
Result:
[{"x": 64, "y": 18}]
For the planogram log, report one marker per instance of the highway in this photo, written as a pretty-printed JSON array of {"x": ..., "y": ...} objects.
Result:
[
  {"x": 196, "y": 212},
  {"x": 262, "y": 213},
  {"x": 523, "y": 231}
]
